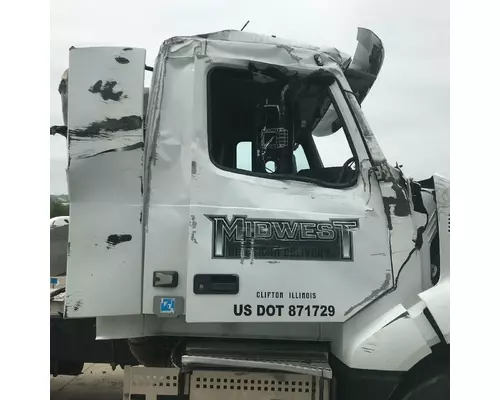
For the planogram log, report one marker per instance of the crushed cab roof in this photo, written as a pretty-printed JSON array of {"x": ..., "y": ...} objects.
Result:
[{"x": 230, "y": 35}]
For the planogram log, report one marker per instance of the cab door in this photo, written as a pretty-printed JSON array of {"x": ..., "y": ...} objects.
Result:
[{"x": 278, "y": 250}]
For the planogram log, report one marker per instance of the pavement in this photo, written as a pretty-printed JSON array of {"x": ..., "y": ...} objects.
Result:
[{"x": 97, "y": 382}]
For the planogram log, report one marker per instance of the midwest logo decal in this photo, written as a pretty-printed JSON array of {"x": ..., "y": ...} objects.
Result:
[{"x": 247, "y": 238}]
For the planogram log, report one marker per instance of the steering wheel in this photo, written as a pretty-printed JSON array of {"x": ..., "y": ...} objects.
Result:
[{"x": 346, "y": 165}]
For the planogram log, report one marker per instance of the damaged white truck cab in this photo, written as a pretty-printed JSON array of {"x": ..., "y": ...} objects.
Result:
[{"x": 250, "y": 224}]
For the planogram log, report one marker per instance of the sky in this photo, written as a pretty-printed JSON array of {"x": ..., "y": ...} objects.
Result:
[{"x": 407, "y": 108}]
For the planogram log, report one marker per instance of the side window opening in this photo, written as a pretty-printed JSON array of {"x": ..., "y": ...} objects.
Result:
[
  {"x": 244, "y": 156},
  {"x": 269, "y": 127},
  {"x": 300, "y": 159}
]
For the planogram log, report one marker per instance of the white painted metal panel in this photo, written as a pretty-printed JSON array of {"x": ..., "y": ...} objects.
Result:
[
  {"x": 184, "y": 186},
  {"x": 394, "y": 342},
  {"x": 345, "y": 285},
  {"x": 105, "y": 180}
]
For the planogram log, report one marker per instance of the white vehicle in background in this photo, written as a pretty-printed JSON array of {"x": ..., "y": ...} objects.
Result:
[{"x": 245, "y": 237}]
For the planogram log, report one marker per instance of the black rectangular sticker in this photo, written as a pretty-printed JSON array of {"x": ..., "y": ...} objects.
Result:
[{"x": 265, "y": 239}]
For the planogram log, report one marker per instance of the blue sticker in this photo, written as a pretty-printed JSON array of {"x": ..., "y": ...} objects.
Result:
[
  {"x": 54, "y": 281},
  {"x": 167, "y": 305}
]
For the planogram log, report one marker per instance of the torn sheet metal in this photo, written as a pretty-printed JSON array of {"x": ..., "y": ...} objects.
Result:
[
  {"x": 437, "y": 299},
  {"x": 289, "y": 45},
  {"x": 361, "y": 70},
  {"x": 105, "y": 176},
  {"x": 396, "y": 341},
  {"x": 366, "y": 63}
]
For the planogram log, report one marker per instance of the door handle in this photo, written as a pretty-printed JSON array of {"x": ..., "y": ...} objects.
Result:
[{"x": 216, "y": 284}]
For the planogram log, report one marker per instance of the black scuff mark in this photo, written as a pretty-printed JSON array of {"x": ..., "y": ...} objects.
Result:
[
  {"x": 193, "y": 168},
  {"x": 122, "y": 60},
  {"x": 192, "y": 223},
  {"x": 107, "y": 90},
  {"x": 101, "y": 128},
  {"x": 135, "y": 146},
  {"x": 193, "y": 237},
  {"x": 140, "y": 217},
  {"x": 404, "y": 315},
  {"x": 273, "y": 262},
  {"x": 77, "y": 306},
  {"x": 289, "y": 50},
  {"x": 400, "y": 202},
  {"x": 127, "y": 48},
  {"x": 416, "y": 197},
  {"x": 59, "y": 129},
  {"x": 142, "y": 185},
  {"x": 69, "y": 249},
  {"x": 375, "y": 293},
  {"x": 116, "y": 239},
  {"x": 371, "y": 171},
  {"x": 378, "y": 254}
]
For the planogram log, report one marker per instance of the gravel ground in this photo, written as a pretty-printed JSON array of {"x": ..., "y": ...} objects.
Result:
[{"x": 98, "y": 382}]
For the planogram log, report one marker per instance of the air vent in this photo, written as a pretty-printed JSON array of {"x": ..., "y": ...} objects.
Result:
[
  {"x": 251, "y": 385},
  {"x": 214, "y": 385},
  {"x": 150, "y": 382}
]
